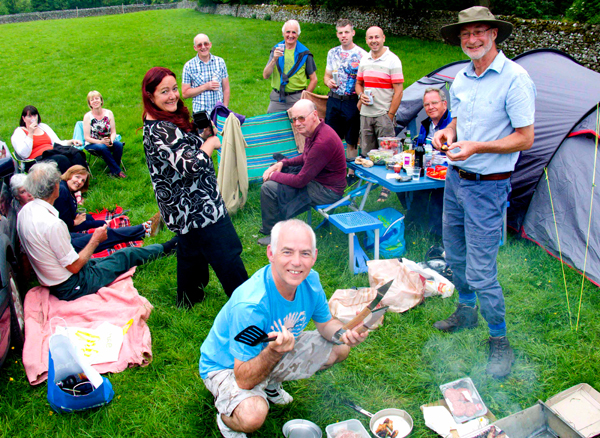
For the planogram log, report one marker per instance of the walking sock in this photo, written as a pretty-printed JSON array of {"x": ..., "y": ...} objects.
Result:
[{"x": 497, "y": 330}]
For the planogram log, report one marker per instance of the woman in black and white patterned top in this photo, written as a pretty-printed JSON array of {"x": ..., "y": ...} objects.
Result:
[{"x": 185, "y": 185}]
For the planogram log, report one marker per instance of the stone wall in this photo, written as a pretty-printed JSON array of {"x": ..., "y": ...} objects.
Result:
[
  {"x": 581, "y": 41},
  {"x": 107, "y": 10}
]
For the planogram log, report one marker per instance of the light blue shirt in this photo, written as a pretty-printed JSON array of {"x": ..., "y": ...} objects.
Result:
[
  {"x": 258, "y": 302},
  {"x": 489, "y": 107},
  {"x": 197, "y": 72}
]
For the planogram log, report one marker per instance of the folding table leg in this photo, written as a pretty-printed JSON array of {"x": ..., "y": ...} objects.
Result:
[
  {"x": 351, "y": 251},
  {"x": 376, "y": 255},
  {"x": 365, "y": 196}
]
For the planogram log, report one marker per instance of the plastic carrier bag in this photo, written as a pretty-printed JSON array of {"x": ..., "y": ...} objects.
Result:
[
  {"x": 391, "y": 238},
  {"x": 67, "y": 368}
]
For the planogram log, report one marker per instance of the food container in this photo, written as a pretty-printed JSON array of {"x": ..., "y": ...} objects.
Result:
[
  {"x": 378, "y": 156},
  {"x": 301, "y": 429},
  {"x": 401, "y": 420},
  {"x": 391, "y": 162},
  {"x": 351, "y": 425},
  {"x": 388, "y": 143},
  {"x": 463, "y": 400}
]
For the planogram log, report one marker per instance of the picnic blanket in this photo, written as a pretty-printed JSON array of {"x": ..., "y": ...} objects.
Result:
[
  {"x": 115, "y": 222},
  {"x": 118, "y": 303}
]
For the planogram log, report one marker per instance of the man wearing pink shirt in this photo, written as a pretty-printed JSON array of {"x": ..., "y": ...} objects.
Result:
[{"x": 380, "y": 75}]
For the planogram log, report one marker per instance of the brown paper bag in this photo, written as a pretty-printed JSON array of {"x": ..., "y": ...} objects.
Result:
[
  {"x": 407, "y": 290},
  {"x": 344, "y": 304}
]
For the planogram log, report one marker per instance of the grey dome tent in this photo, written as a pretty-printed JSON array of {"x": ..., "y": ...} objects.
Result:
[{"x": 565, "y": 141}]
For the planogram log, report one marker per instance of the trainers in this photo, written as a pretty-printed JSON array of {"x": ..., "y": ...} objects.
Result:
[
  {"x": 465, "y": 317},
  {"x": 264, "y": 241},
  {"x": 226, "y": 431},
  {"x": 277, "y": 395},
  {"x": 501, "y": 357}
]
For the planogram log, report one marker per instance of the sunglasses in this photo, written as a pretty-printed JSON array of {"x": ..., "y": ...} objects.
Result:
[
  {"x": 205, "y": 44},
  {"x": 300, "y": 119}
]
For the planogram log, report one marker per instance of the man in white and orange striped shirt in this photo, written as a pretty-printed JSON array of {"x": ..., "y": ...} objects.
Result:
[{"x": 380, "y": 76}]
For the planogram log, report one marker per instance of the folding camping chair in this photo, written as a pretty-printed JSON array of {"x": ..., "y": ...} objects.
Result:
[
  {"x": 265, "y": 135},
  {"x": 78, "y": 135}
]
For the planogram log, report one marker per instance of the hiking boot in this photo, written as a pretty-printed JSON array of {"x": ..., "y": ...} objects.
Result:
[
  {"x": 501, "y": 357},
  {"x": 465, "y": 317}
]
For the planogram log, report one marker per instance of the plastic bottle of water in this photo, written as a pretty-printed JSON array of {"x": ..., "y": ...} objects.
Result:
[
  {"x": 408, "y": 144},
  {"x": 428, "y": 153}
]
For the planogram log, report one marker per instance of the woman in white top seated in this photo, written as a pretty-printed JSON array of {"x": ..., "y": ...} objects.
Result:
[
  {"x": 100, "y": 134},
  {"x": 36, "y": 140}
]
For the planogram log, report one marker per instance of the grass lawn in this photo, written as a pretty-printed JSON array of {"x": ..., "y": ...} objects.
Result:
[{"x": 54, "y": 64}]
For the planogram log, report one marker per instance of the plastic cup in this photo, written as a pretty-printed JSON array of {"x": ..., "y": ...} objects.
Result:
[
  {"x": 416, "y": 173},
  {"x": 81, "y": 209},
  {"x": 281, "y": 47}
]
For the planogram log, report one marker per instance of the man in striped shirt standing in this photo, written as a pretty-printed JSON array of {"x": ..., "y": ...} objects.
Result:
[{"x": 380, "y": 76}]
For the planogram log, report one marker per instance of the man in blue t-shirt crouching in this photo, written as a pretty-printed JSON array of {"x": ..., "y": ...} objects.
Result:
[{"x": 280, "y": 299}]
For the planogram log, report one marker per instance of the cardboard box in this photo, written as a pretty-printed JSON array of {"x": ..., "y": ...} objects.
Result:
[{"x": 580, "y": 407}]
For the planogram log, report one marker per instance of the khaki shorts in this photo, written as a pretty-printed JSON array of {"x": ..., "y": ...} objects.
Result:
[{"x": 310, "y": 353}]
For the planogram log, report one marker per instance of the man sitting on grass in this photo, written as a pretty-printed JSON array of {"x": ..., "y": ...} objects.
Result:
[
  {"x": 280, "y": 298},
  {"x": 47, "y": 242}
]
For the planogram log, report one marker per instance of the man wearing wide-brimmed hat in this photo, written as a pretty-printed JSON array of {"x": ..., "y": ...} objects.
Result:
[{"x": 493, "y": 107}]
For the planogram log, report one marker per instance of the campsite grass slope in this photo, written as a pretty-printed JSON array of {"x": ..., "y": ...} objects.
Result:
[{"x": 54, "y": 64}]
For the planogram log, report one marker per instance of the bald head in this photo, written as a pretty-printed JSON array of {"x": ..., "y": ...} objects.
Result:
[
  {"x": 202, "y": 45},
  {"x": 375, "y": 30},
  {"x": 304, "y": 117},
  {"x": 303, "y": 106},
  {"x": 375, "y": 40},
  {"x": 200, "y": 37}
]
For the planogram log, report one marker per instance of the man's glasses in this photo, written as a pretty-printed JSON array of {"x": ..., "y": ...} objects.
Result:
[
  {"x": 476, "y": 33},
  {"x": 428, "y": 104},
  {"x": 206, "y": 44},
  {"x": 300, "y": 119}
]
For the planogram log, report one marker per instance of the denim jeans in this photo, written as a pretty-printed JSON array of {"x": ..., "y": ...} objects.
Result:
[
  {"x": 111, "y": 155},
  {"x": 114, "y": 237},
  {"x": 472, "y": 226}
]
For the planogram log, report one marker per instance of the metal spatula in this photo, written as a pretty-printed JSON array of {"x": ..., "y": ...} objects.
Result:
[{"x": 253, "y": 336}]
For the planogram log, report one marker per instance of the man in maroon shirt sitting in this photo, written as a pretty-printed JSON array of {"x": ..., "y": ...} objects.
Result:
[{"x": 286, "y": 193}]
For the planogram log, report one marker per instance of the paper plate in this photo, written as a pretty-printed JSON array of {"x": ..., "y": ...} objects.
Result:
[{"x": 301, "y": 429}]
